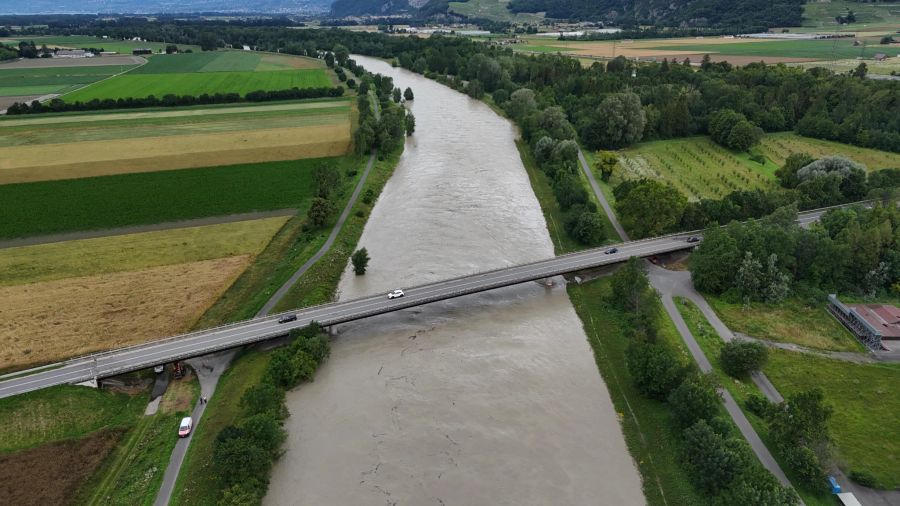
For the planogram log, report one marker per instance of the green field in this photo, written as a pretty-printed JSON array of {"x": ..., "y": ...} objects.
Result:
[
  {"x": 43, "y": 81},
  {"x": 143, "y": 85},
  {"x": 813, "y": 49},
  {"x": 492, "y": 9},
  {"x": 778, "y": 146},
  {"x": 63, "y": 412},
  {"x": 697, "y": 166},
  {"x": 27, "y": 131},
  {"x": 224, "y": 61},
  {"x": 153, "y": 197},
  {"x": 864, "y": 396},
  {"x": 80, "y": 41}
]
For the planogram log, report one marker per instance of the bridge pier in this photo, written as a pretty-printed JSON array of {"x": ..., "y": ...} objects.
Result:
[{"x": 546, "y": 282}]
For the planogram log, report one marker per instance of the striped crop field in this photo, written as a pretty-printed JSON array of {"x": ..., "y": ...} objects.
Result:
[
  {"x": 85, "y": 145},
  {"x": 197, "y": 83}
]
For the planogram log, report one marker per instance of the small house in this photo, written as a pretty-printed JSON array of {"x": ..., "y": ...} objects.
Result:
[{"x": 880, "y": 56}]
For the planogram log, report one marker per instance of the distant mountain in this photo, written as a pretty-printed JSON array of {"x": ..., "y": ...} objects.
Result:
[
  {"x": 163, "y": 6},
  {"x": 342, "y": 8},
  {"x": 688, "y": 13}
]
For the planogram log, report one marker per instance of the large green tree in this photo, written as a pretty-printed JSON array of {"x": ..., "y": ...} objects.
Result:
[
  {"x": 651, "y": 208},
  {"x": 618, "y": 122}
]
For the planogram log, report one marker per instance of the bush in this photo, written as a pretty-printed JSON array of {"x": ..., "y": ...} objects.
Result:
[
  {"x": 739, "y": 358},
  {"x": 712, "y": 461},
  {"x": 758, "y": 405},
  {"x": 758, "y": 158},
  {"x": 264, "y": 398},
  {"x": 654, "y": 369},
  {"x": 695, "y": 399},
  {"x": 864, "y": 478},
  {"x": 806, "y": 465}
]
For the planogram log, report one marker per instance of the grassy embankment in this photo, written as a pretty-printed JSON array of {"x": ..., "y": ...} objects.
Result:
[
  {"x": 317, "y": 286},
  {"x": 859, "y": 393},
  {"x": 492, "y": 9},
  {"x": 648, "y": 426}
]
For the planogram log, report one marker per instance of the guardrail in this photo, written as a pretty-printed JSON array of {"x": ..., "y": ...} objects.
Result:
[{"x": 403, "y": 304}]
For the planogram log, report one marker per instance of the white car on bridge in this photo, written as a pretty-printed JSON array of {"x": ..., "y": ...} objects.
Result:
[{"x": 396, "y": 294}]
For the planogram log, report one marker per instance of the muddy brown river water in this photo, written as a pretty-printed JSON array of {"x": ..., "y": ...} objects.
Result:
[{"x": 489, "y": 399}]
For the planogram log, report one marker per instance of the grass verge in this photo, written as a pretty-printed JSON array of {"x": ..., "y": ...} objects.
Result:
[
  {"x": 790, "y": 321},
  {"x": 317, "y": 286},
  {"x": 711, "y": 344},
  {"x": 646, "y": 423}
]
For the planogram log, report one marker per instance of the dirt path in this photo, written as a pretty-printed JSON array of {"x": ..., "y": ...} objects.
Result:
[{"x": 136, "y": 229}]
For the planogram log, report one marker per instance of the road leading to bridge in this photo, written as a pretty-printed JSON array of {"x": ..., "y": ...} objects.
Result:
[{"x": 220, "y": 338}]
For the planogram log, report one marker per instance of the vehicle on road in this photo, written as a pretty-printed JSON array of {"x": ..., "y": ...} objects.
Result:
[
  {"x": 693, "y": 238},
  {"x": 187, "y": 424},
  {"x": 158, "y": 369},
  {"x": 288, "y": 318},
  {"x": 610, "y": 251},
  {"x": 396, "y": 294}
]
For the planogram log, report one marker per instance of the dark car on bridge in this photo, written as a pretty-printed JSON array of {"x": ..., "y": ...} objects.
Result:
[
  {"x": 288, "y": 318},
  {"x": 693, "y": 238}
]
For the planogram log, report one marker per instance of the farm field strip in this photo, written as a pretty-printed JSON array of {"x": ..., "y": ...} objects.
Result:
[
  {"x": 161, "y": 127},
  {"x": 226, "y": 61},
  {"x": 105, "y": 255},
  {"x": 42, "y": 81},
  {"x": 80, "y": 41},
  {"x": 778, "y": 146},
  {"x": 52, "y": 320},
  {"x": 698, "y": 167},
  {"x": 179, "y": 113},
  {"x": 811, "y": 49},
  {"x": 143, "y": 85},
  {"x": 21, "y": 164},
  {"x": 124, "y": 200}
]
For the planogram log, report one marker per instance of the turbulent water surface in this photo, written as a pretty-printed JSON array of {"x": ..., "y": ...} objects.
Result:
[{"x": 488, "y": 399}]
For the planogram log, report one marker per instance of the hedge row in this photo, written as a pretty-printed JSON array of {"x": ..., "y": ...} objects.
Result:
[{"x": 58, "y": 105}]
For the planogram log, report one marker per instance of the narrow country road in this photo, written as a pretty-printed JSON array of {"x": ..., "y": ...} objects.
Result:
[
  {"x": 211, "y": 367},
  {"x": 602, "y": 198},
  {"x": 672, "y": 282}
]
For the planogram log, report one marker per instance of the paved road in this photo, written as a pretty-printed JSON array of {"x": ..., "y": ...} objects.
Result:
[
  {"x": 258, "y": 329},
  {"x": 281, "y": 292},
  {"x": 602, "y": 198}
]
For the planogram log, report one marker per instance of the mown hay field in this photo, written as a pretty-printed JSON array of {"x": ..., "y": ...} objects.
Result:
[
  {"x": 96, "y": 203},
  {"x": 69, "y": 147},
  {"x": 197, "y": 83},
  {"x": 778, "y": 146},
  {"x": 225, "y": 61},
  {"x": 105, "y": 255},
  {"x": 53, "y": 320},
  {"x": 700, "y": 168}
]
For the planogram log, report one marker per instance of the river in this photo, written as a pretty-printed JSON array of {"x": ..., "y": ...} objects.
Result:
[{"x": 488, "y": 399}]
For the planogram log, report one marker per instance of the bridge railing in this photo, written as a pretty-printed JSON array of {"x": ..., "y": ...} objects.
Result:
[{"x": 220, "y": 328}]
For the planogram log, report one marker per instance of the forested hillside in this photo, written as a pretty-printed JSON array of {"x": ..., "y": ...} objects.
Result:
[
  {"x": 671, "y": 12},
  {"x": 341, "y": 8}
]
